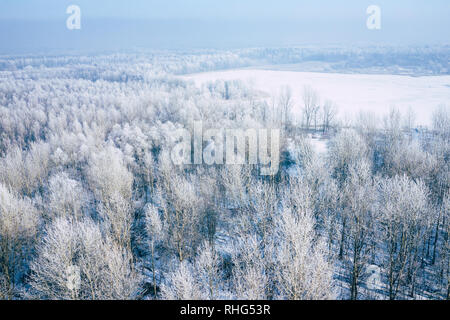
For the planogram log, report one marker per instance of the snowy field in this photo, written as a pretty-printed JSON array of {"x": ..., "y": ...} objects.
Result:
[{"x": 351, "y": 92}]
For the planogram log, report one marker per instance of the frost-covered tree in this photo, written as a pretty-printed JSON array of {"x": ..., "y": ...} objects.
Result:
[
  {"x": 303, "y": 270},
  {"x": 207, "y": 266},
  {"x": 75, "y": 260},
  {"x": 26, "y": 171},
  {"x": 112, "y": 182},
  {"x": 446, "y": 245},
  {"x": 66, "y": 196},
  {"x": 346, "y": 149},
  {"x": 85, "y": 144},
  {"x": 250, "y": 279},
  {"x": 404, "y": 219},
  {"x": 19, "y": 221},
  {"x": 441, "y": 121},
  {"x": 181, "y": 284},
  {"x": 194, "y": 281},
  {"x": 156, "y": 231},
  {"x": 358, "y": 208},
  {"x": 182, "y": 210}
]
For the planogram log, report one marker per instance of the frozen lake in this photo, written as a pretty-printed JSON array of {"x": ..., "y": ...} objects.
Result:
[{"x": 351, "y": 92}]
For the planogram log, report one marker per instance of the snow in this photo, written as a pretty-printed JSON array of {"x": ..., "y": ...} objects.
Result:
[
  {"x": 319, "y": 145},
  {"x": 351, "y": 92}
]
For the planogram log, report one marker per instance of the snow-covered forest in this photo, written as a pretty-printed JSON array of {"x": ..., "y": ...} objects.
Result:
[{"x": 93, "y": 207}]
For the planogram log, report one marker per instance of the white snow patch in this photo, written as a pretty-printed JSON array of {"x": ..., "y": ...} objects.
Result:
[
  {"x": 319, "y": 146},
  {"x": 351, "y": 92}
]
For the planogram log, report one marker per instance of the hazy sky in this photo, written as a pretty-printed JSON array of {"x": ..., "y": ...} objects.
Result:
[{"x": 30, "y": 25}]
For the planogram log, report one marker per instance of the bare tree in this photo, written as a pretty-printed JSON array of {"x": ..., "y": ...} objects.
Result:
[
  {"x": 310, "y": 105},
  {"x": 367, "y": 126},
  {"x": 329, "y": 112},
  {"x": 286, "y": 105},
  {"x": 409, "y": 119}
]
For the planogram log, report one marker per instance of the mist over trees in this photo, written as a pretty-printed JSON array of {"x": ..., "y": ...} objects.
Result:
[{"x": 92, "y": 206}]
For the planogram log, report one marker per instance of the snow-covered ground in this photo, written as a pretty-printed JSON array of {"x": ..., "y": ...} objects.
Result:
[
  {"x": 351, "y": 92},
  {"x": 319, "y": 145}
]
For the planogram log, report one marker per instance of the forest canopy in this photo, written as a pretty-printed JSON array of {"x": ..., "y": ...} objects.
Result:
[{"x": 93, "y": 207}]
